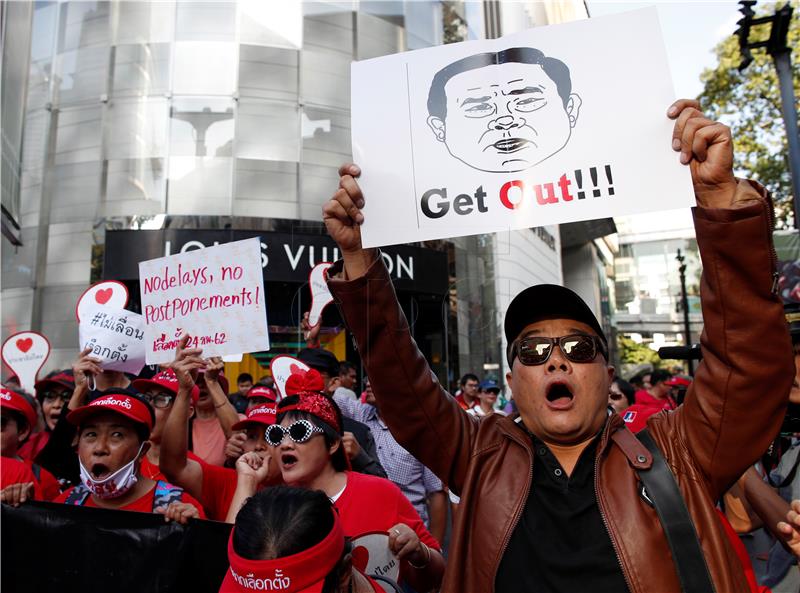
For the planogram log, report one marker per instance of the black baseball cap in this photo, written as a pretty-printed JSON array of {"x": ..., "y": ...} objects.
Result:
[{"x": 547, "y": 301}]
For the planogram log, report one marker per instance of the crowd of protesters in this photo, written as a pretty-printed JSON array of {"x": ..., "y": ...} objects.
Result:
[{"x": 546, "y": 491}]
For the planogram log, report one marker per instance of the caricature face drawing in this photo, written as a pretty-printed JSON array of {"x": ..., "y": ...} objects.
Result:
[{"x": 503, "y": 117}]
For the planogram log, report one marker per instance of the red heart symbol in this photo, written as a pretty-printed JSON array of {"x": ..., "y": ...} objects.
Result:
[
  {"x": 360, "y": 558},
  {"x": 103, "y": 296},
  {"x": 294, "y": 369},
  {"x": 24, "y": 345}
]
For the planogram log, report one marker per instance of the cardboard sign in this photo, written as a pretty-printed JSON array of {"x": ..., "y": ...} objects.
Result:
[
  {"x": 321, "y": 296},
  {"x": 25, "y": 354},
  {"x": 551, "y": 125},
  {"x": 281, "y": 367},
  {"x": 371, "y": 555},
  {"x": 116, "y": 337},
  {"x": 216, "y": 295},
  {"x": 108, "y": 293}
]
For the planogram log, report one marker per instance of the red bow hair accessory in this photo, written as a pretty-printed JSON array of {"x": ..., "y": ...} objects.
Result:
[
  {"x": 304, "y": 381},
  {"x": 302, "y": 572}
]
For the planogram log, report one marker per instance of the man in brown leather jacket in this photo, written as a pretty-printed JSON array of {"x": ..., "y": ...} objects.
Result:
[{"x": 550, "y": 499}]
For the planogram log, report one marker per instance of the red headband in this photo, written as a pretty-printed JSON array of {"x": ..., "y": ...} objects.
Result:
[
  {"x": 304, "y": 572},
  {"x": 316, "y": 404}
]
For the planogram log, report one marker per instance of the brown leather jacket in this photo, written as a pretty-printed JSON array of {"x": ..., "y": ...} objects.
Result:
[{"x": 731, "y": 413}]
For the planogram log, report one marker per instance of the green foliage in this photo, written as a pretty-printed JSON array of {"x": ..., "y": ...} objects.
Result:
[
  {"x": 750, "y": 103},
  {"x": 632, "y": 353}
]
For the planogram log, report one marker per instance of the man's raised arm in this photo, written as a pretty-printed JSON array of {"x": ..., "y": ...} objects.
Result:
[
  {"x": 736, "y": 403},
  {"x": 421, "y": 415}
]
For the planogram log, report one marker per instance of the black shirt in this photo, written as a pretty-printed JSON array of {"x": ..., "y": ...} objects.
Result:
[{"x": 560, "y": 543}]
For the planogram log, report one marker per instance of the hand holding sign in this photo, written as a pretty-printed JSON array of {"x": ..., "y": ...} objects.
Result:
[
  {"x": 372, "y": 555},
  {"x": 25, "y": 353},
  {"x": 83, "y": 369},
  {"x": 342, "y": 217},
  {"x": 186, "y": 364},
  {"x": 404, "y": 543},
  {"x": 707, "y": 147}
]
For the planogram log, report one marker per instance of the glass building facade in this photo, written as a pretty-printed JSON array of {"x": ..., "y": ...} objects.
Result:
[{"x": 233, "y": 115}]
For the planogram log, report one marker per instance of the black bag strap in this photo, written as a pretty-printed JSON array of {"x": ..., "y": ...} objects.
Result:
[{"x": 662, "y": 490}]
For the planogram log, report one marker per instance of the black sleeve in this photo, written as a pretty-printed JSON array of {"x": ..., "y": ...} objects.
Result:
[
  {"x": 58, "y": 456},
  {"x": 366, "y": 462}
]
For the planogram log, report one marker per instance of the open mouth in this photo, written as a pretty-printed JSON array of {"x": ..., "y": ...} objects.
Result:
[
  {"x": 509, "y": 145},
  {"x": 288, "y": 460},
  {"x": 99, "y": 471},
  {"x": 559, "y": 395}
]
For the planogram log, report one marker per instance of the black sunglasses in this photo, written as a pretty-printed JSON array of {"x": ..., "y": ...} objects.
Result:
[
  {"x": 299, "y": 431},
  {"x": 535, "y": 350}
]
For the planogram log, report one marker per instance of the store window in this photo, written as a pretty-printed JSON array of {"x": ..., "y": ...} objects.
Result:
[
  {"x": 137, "y": 128},
  {"x": 78, "y": 135},
  {"x": 267, "y": 130},
  {"x": 143, "y": 22},
  {"x": 141, "y": 69},
  {"x": 204, "y": 68},
  {"x": 82, "y": 74},
  {"x": 268, "y": 72}
]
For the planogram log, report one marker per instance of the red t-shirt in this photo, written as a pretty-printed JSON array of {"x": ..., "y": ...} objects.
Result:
[
  {"x": 370, "y": 503},
  {"x": 149, "y": 470},
  {"x": 35, "y": 443},
  {"x": 143, "y": 504},
  {"x": 219, "y": 485},
  {"x": 14, "y": 471}
]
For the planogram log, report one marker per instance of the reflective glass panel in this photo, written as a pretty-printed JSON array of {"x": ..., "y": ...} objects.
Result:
[
  {"x": 268, "y": 72},
  {"x": 201, "y": 126},
  {"x": 78, "y": 135},
  {"x": 141, "y": 69},
  {"x": 268, "y": 130},
  {"x": 76, "y": 192},
  {"x": 143, "y": 22},
  {"x": 326, "y": 136},
  {"x": 82, "y": 74},
  {"x": 204, "y": 68},
  {"x": 137, "y": 129},
  {"x": 135, "y": 186},
  {"x": 265, "y": 189},
  {"x": 378, "y": 37},
  {"x": 278, "y": 24},
  {"x": 207, "y": 21},
  {"x": 84, "y": 24},
  {"x": 199, "y": 186}
]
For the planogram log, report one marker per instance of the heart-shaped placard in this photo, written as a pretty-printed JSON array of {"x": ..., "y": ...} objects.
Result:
[
  {"x": 282, "y": 366},
  {"x": 25, "y": 354},
  {"x": 108, "y": 292},
  {"x": 379, "y": 559},
  {"x": 321, "y": 296}
]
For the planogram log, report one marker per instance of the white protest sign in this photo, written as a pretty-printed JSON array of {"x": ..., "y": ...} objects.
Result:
[
  {"x": 552, "y": 125},
  {"x": 232, "y": 357},
  {"x": 216, "y": 295},
  {"x": 281, "y": 367},
  {"x": 109, "y": 292},
  {"x": 371, "y": 555},
  {"x": 116, "y": 337},
  {"x": 321, "y": 296},
  {"x": 25, "y": 353}
]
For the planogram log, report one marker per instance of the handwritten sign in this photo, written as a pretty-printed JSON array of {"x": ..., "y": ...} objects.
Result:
[
  {"x": 110, "y": 293},
  {"x": 371, "y": 555},
  {"x": 25, "y": 353},
  {"x": 281, "y": 367},
  {"x": 527, "y": 130},
  {"x": 321, "y": 296},
  {"x": 116, "y": 337},
  {"x": 215, "y": 294}
]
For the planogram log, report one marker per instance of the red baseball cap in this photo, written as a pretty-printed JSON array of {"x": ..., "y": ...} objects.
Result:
[
  {"x": 678, "y": 381},
  {"x": 262, "y": 391},
  {"x": 303, "y": 572},
  {"x": 116, "y": 400},
  {"x": 164, "y": 381},
  {"x": 11, "y": 400},
  {"x": 263, "y": 415},
  {"x": 63, "y": 378}
]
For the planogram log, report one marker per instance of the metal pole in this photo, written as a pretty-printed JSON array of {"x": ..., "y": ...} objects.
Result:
[
  {"x": 685, "y": 306},
  {"x": 783, "y": 64}
]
